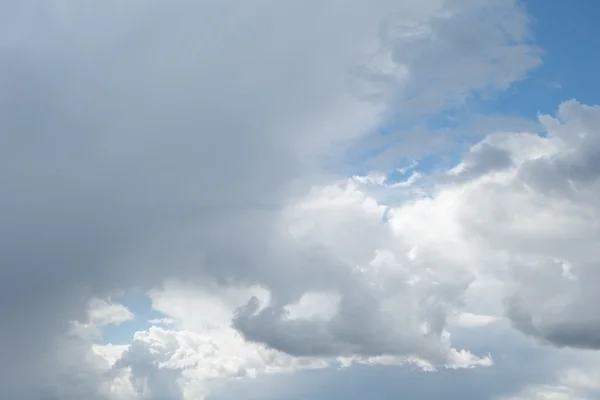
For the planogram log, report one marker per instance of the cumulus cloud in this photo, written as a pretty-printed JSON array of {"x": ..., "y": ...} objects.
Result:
[
  {"x": 198, "y": 348},
  {"x": 393, "y": 296},
  {"x": 202, "y": 347},
  {"x": 145, "y": 140},
  {"x": 521, "y": 208},
  {"x": 541, "y": 216}
]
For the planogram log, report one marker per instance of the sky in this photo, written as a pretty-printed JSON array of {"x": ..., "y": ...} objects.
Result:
[
  {"x": 299, "y": 200},
  {"x": 564, "y": 30}
]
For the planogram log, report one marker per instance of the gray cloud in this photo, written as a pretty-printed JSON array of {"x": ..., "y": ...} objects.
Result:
[
  {"x": 145, "y": 140},
  {"x": 481, "y": 160}
]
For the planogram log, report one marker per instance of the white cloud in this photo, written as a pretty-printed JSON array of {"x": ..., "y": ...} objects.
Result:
[
  {"x": 100, "y": 313},
  {"x": 394, "y": 293},
  {"x": 183, "y": 361},
  {"x": 81, "y": 369},
  {"x": 520, "y": 209},
  {"x": 473, "y": 320},
  {"x": 314, "y": 305},
  {"x": 161, "y": 321},
  {"x": 110, "y": 352},
  {"x": 201, "y": 347},
  {"x": 540, "y": 214}
]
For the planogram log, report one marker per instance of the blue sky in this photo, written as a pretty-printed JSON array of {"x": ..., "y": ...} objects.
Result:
[
  {"x": 567, "y": 31},
  {"x": 141, "y": 307}
]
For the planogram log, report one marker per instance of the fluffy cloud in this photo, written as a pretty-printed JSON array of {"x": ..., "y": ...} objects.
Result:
[
  {"x": 539, "y": 213},
  {"x": 521, "y": 209},
  {"x": 147, "y": 139},
  {"x": 200, "y": 347},
  {"x": 394, "y": 295}
]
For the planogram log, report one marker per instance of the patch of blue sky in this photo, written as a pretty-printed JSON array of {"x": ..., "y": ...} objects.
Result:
[
  {"x": 383, "y": 151},
  {"x": 567, "y": 32},
  {"x": 397, "y": 133},
  {"x": 140, "y": 306}
]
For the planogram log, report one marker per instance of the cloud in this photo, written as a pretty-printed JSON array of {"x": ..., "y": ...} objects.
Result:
[
  {"x": 203, "y": 348},
  {"x": 493, "y": 58},
  {"x": 101, "y": 312},
  {"x": 518, "y": 364},
  {"x": 200, "y": 347},
  {"x": 429, "y": 278},
  {"x": 150, "y": 140},
  {"x": 520, "y": 208},
  {"x": 473, "y": 320},
  {"x": 525, "y": 231},
  {"x": 540, "y": 215},
  {"x": 81, "y": 368},
  {"x": 380, "y": 277},
  {"x": 576, "y": 379},
  {"x": 482, "y": 159},
  {"x": 515, "y": 239}
]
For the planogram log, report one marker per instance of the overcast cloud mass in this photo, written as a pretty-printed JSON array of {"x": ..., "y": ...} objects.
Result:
[{"x": 204, "y": 154}]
